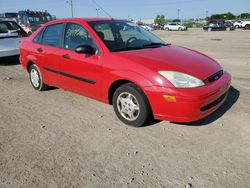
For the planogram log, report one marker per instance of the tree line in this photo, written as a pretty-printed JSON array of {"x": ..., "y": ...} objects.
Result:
[
  {"x": 161, "y": 19},
  {"x": 229, "y": 16}
]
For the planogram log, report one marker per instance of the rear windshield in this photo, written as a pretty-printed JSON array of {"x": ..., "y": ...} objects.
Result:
[{"x": 11, "y": 15}]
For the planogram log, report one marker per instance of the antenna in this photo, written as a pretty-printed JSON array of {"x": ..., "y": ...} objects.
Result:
[{"x": 99, "y": 6}]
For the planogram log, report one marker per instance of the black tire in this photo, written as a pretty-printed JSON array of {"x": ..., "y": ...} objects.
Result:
[
  {"x": 40, "y": 85},
  {"x": 247, "y": 26},
  {"x": 143, "y": 116}
]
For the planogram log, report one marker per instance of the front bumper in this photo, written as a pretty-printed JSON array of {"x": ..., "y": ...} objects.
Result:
[{"x": 191, "y": 103}]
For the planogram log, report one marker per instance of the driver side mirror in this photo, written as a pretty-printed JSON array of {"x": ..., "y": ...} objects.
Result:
[{"x": 85, "y": 49}]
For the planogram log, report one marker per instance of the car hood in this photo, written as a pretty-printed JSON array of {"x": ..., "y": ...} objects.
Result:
[{"x": 174, "y": 58}]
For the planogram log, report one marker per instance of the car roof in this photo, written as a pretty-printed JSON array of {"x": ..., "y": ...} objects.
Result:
[{"x": 84, "y": 20}]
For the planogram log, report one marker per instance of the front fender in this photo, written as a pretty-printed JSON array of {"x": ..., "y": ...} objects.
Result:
[{"x": 123, "y": 75}]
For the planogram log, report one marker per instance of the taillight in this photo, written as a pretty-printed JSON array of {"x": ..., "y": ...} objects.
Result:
[{"x": 22, "y": 34}]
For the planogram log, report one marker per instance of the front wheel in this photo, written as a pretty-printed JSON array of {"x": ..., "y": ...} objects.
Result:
[
  {"x": 131, "y": 105},
  {"x": 36, "y": 78}
]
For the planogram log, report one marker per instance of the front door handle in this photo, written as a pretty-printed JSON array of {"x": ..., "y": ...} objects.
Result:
[
  {"x": 39, "y": 49},
  {"x": 66, "y": 56}
]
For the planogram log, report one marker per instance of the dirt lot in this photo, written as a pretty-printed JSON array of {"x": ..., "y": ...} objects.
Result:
[{"x": 60, "y": 139}]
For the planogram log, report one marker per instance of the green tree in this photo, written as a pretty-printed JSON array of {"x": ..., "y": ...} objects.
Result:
[
  {"x": 160, "y": 19},
  {"x": 224, "y": 16},
  {"x": 176, "y": 20},
  {"x": 244, "y": 16}
]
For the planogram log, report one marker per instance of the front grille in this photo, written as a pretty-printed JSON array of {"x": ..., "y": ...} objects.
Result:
[
  {"x": 214, "y": 77},
  {"x": 214, "y": 103}
]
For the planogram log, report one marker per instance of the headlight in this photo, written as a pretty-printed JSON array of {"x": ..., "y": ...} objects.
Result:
[{"x": 181, "y": 80}]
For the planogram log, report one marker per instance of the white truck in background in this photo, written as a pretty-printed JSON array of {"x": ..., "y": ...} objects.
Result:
[{"x": 242, "y": 24}]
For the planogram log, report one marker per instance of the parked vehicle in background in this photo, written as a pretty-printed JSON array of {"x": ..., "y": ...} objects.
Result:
[
  {"x": 174, "y": 27},
  {"x": 158, "y": 27},
  {"x": 245, "y": 24},
  {"x": 229, "y": 24},
  {"x": 219, "y": 25},
  {"x": 29, "y": 20},
  {"x": 9, "y": 16},
  {"x": 10, "y": 36},
  {"x": 237, "y": 24},
  {"x": 119, "y": 63},
  {"x": 147, "y": 27}
]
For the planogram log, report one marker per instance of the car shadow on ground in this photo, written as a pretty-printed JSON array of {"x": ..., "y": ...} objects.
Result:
[
  {"x": 233, "y": 95},
  {"x": 9, "y": 61}
]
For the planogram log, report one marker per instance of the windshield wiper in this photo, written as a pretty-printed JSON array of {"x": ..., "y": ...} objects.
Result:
[
  {"x": 154, "y": 45},
  {"x": 150, "y": 45},
  {"x": 127, "y": 48}
]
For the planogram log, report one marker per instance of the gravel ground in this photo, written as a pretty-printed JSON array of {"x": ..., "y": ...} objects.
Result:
[{"x": 60, "y": 139}]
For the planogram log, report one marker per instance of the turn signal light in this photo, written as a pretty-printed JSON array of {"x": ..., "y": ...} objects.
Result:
[{"x": 169, "y": 98}]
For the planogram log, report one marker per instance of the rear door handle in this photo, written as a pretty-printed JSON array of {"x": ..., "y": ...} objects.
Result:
[
  {"x": 39, "y": 49},
  {"x": 66, "y": 56}
]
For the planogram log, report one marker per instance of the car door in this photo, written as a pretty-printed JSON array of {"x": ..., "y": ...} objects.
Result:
[
  {"x": 174, "y": 27},
  {"x": 80, "y": 73},
  {"x": 171, "y": 27},
  {"x": 47, "y": 51}
]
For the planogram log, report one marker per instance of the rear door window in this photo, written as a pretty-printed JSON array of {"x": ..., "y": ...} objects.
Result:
[{"x": 52, "y": 35}]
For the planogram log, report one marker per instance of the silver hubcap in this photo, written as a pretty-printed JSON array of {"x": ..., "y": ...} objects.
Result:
[
  {"x": 128, "y": 106},
  {"x": 34, "y": 77}
]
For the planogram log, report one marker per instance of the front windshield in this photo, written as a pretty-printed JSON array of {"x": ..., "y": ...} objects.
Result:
[{"x": 123, "y": 36}]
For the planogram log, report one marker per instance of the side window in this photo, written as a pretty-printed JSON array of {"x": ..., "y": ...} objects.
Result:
[
  {"x": 52, "y": 35},
  {"x": 76, "y": 35}
]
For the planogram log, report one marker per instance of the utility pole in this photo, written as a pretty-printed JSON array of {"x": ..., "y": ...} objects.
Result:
[
  {"x": 97, "y": 11},
  {"x": 206, "y": 14},
  {"x": 70, "y": 2},
  {"x": 178, "y": 10}
]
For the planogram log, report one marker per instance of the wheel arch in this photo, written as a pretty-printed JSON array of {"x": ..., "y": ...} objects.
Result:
[
  {"x": 29, "y": 65},
  {"x": 116, "y": 84},
  {"x": 122, "y": 77}
]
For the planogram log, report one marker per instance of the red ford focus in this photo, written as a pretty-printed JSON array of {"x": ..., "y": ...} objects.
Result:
[{"x": 119, "y": 63}]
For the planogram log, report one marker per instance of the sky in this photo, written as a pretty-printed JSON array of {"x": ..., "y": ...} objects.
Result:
[{"x": 130, "y": 9}]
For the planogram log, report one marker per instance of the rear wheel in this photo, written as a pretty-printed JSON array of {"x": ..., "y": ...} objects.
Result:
[
  {"x": 36, "y": 78},
  {"x": 167, "y": 29},
  {"x": 131, "y": 105},
  {"x": 247, "y": 26}
]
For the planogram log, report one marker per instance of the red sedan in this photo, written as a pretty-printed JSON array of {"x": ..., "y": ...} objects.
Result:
[{"x": 119, "y": 63}]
